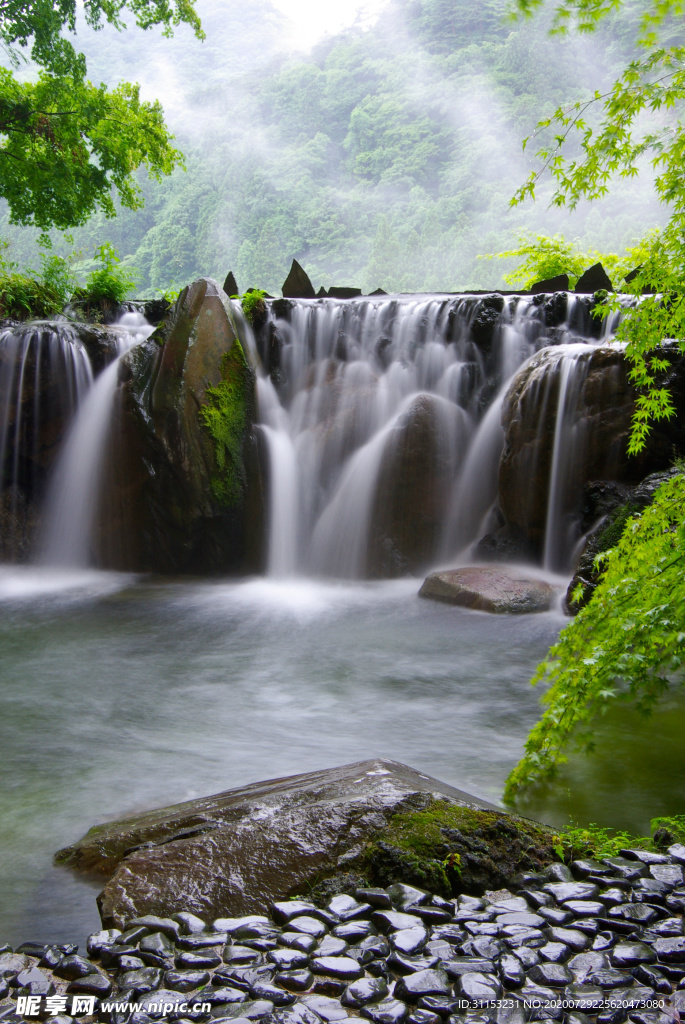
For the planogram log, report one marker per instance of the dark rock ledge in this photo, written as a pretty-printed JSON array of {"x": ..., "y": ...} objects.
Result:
[{"x": 598, "y": 940}]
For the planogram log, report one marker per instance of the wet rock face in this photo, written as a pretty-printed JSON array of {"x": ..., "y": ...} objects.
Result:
[
  {"x": 489, "y": 590},
  {"x": 414, "y": 486},
  {"x": 600, "y": 402},
  {"x": 236, "y": 852},
  {"x": 184, "y": 490},
  {"x": 606, "y": 509}
]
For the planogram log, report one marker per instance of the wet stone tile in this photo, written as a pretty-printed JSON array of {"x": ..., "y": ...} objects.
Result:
[
  {"x": 347, "y": 908},
  {"x": 354, "y": 931},
  {"x": 327, "y": 1009},
  {"x": 421, "y": 1016},
  {"x": 296, "y": 940},
  {"x": 363, "y": 991},
  {"x": 185, "y": 981},
  {"x": 479, "y": 988},
  {"x": 401, "y": 964},
  {"x": 295, "y": 981},
  {"x": 562, "y": 891},
  {"x": 409, "y": 941},
  {"x": 331, "y": 945},
  {"x": 571, "y": 937},
  {"x": 551, "y": 974},
  {"x": 308, "y": 925},
  {"x": 630, "y": 954},
  {"x": 387, "y": 1011},
  {"x": 342, "y": 967},
  {"x": 423, "y": 983},
  {"x": 555, "y": 952},
  {"x": 670, "y": 950},
  {"x": 404, "y": 896},
  {"x": 375, "y": 897}
]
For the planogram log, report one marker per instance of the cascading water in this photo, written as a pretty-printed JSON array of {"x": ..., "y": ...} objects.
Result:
[
  {"x": 74, "y": 492},
  {"x": 370, "y": 400},
  {"x": 44, "y": 373}
]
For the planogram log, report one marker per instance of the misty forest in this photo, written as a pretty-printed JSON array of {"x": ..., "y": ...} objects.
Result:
[{"x": 342, "y": 397}]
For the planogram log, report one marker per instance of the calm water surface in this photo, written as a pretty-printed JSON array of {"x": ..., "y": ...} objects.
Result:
[{"x": 120, "y": 693}]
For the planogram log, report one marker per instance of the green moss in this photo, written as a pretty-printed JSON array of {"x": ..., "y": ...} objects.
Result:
[
  {"x": 253, "y": 305},
  {"x": 612, "y": 532},
  {"x": 223, "y": 415},
  {"x": 450, "y": 849}
]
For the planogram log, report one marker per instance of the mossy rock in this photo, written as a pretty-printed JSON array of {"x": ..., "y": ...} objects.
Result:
[
  {"x": 447, "y": 849},
  {"x": 224, "y": 417},
  {"x": 451, "y": 849}
]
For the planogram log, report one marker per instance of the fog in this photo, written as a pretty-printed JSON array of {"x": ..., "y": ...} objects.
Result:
[{"x": 378, "y": 143}]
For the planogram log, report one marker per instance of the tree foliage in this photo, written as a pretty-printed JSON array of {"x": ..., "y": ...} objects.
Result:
[
  {"x": 544, "y": 256},
  {"x": 627, "y": 643},
  {"x": 620, "y": 132},
  {"x": 66, "y": 144},
  {"x": 629, "y": 640},
  {"x": 382, "y": 158}
]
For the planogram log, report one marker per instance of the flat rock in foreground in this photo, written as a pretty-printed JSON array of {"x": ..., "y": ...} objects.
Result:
[
  {"x": 489, "y": 589},
  {"x": 237, "y": 852}
]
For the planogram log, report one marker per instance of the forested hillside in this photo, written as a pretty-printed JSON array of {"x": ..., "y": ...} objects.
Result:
[{"x": 385, "y": 157}]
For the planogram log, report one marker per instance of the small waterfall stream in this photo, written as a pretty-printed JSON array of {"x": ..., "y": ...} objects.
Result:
[
  {"x": 44, "y": 373},
  {"x": 74, "y": 492}
]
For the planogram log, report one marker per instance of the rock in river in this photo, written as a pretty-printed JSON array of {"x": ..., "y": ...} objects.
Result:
[
  {"x": 489, "y": 589},
  {"x": 238, "y": 852}
]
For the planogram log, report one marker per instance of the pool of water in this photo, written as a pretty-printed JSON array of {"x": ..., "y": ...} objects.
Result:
[{"x": 120, "y": 693}]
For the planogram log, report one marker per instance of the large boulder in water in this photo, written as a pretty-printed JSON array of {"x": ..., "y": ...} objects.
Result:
[
  {"x": 415, "y": 481},
  {"x": 488, "y": 589},
  {"x": 237, "y": 852},
  {"x": 184, "y": 489},
  {"x": 591, "y": 444}
]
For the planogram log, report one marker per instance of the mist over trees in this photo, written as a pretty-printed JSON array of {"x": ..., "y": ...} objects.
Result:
[{"x": 385, "y": 157}]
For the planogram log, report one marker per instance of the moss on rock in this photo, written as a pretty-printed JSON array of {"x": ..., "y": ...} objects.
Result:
[
  {"x": 224, "y": 417},
  {"x": 451, "y": 849}
]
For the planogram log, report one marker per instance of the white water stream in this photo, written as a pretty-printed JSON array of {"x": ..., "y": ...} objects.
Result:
[
  {"x": 357, "y": 383},
  {"x": 74, "y": 493}
]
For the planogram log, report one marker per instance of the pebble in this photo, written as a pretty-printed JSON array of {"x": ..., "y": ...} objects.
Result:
[
  {"x": 588, "y": 934},
  {"x": 409, "y": 940},
  {"x": 343, "y": 967}
]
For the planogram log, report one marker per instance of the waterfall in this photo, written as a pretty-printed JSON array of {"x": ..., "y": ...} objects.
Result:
[
  {"x": 74, "y": 491},
  {"x": 382, "y": 423},
  {"x": 359, "y": 399},
  {"x": 44, "y": 373}
]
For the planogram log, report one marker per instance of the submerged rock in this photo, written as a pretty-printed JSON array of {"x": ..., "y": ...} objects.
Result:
[
  {"x": 489, "y": 589},
  {"x": 236, "y": 853}
]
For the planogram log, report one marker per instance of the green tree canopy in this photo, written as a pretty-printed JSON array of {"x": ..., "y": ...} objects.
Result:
[
  {"x": 65, "y": 144},
  {"x": 629, "y": 641}
]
